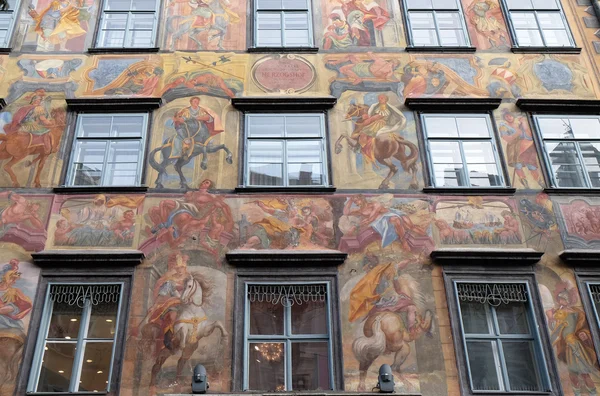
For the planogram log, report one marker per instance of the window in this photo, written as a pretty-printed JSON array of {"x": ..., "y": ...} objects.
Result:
[
  {"x": 571, "y": 146},
  {"x": 282, "y": 23},
  {"x": 502, "y": 346},
  {"x": 538, "y": 23},
  {"x": 128, "y": 24},
  {"x": 285, "y": 150},
  {"x": 76, "y": 341},
  {"x": 7, "y": 21},
  {"x": 287, "y": 337},
  {"x": 433, "y": 23},
  {"x": 108, "y": 150},
  {"x": 462, "y": 150}
]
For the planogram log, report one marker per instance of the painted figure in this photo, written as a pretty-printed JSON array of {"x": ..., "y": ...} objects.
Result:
[
  {"x": 389, "y": 301},
  {"x": 20, "y": 211},
  {"x": 60, "y": 22},
  {"x": 520, "y": 148},
  {"x": 34, "y": 129},
  {"x": 373, "y": 68},
  {"x": 137, "y": 82},
  {"x": 375, "y": 136},
  {"x": 364, "y": 18},
  {"x": 337, "y": 34},
  {"x": 486, "y": 17},
  {"x": 195, "y": 126},
  {"x": 572, "y": 340}
]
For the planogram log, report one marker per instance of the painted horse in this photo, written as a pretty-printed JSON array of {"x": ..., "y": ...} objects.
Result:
[
  {"x": 387, "y": 147},
  {"x": 197, "y": 141}
]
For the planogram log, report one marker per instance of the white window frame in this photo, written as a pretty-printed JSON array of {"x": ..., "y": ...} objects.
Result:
[
  {"x": 128, "y": 30},
  {"x": 513, "y": 31},
  {"x": 576, "y": 142},
  {"x": 288, "y": 338},
  {"x": 459, "y": 139},
  {"x": 543, "y": 377},
  {"x": 282, "y": 12},
  {"x": 11, "y": 26},
  {"x": 324, "y": 157},
  {"x": 44, "y": 327},
  {"x": 434, "y": 12},
  {"x": 70, "y": 179}
]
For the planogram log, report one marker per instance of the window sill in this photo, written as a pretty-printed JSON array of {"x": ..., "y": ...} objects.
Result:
[
  {"x": 580, "y": 257},
  {"x": 484, "y": 256},
  {"x": 5, "y": 50},
  {"x": 470, "y": 190},
  {"x": 279, "y": 50},
  {"x": 112, "y": 105},
  {"x": 560, "y": 106},
  {"x": 84, "y": 258},
  {"x": 452, "y": 104},
  {"x": 285, "y": 190},
  {"x": 546, "y": 50},
  {"x": 110, "y": 50},
  {"x": 449, "y": 49},
  {"x": 100, "y": 189},
  {"x": 284, "y": 103},
  {"x": 572, "y": 191},
  {"x": 283, "y": 258}
]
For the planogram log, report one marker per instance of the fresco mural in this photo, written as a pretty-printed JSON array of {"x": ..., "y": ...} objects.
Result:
[
  {"x": 579, "y": 222},
  {"x": 24, "y": 219},
  {"x": 539, "y": 223},
  {"x": 58, "y": 25},
  {"x": 18, "y": 283},
  {"x": 486, "y": 25},
  {"x": 123, "y": 76},
  {"x": 96, "y": 221},
  {"x": 286, "y": 223},
  {"x": 379, "y": 141},
  {"x": 205, "y": 25},
  {"x": 477, "y": 221},
  {"x": 182, "y": 325}
]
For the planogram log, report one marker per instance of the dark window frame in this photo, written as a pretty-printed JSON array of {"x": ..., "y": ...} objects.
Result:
[
  {"x": 250, "y": 275},
  {"x": 583, "y": 277},
  {"x": 61, "y": 269},
  {"x": 477, "y": 273}
]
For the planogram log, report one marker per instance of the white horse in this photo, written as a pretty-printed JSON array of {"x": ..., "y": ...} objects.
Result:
[{"x": 191, "y": 325}]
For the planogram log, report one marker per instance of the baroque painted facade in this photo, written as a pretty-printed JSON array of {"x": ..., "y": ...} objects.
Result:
[{"x": 403, "y": 240}]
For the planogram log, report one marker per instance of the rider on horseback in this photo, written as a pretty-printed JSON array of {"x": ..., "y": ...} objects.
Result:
[{"x": 183, "y": 141}]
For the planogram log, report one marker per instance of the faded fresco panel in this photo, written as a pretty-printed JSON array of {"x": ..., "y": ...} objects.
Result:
[
  {"x": 477, "y": 221},
  {"x": 18, "y": 284},
  {"x": 58, "y": 25},
  {"x": 486, "y": 25},
  {"x": 177, "y": 320},
  {"x": 352, "y": 24},
  {"x": 24, "y": 219},
  {"x": 198, "y": 142},
  {"x": 205, "y": 25},
  {"x": 98, "y": 221},
  {"x": 540, "y": 227},
  {"x": 374, "y": 143},
  {"x": 579, "y": 221}
]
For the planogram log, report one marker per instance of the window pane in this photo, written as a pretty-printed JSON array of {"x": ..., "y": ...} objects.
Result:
[
  {"x": 305, "y": 174},
  {"x": 266, "y": 366},
  {"x": 591, "y": 159},
  {"x": 304, "y": 151},
  {"x": 484, "y": 175},
  {"x": 444, "y": 4},
  {"x": 268, "y": 21},
  {"x": 445, "y": 153},
  {"x": 545, "y": 4},
  {"x": 295, "y": 4},
  {"x": 103, "y": 320},
  {"x": 264, "y": 126},
  {"x": 424, "y": 37},
  {"x": 555, "y": 128},
  {"x": 419, "y": 4},
  {"x": 142, "y": 21},
  {"x": 90, "y": 151},
  {"x": 310, "y": 366},
  {"x": 95, "y": 367},
  {"x": 266, "y": 318},
  {"x": 143, "y": 5},
  {"x": 585, "y": 128},
  {"x": 122, "y": 174},
  {"x": 296, "y": 38},
  {"x": 449, "y": 175},
  {"x": 141, "y": 38},
  {"x": 473, "y": 127},
  {"x": 309, "y": 317},
  {"x": 512, "y": 318},
  {"x": 550, "y": 20},
  {"x": 519, "y": 4},
  {"x": 421, "y": 20},
  {"x": 117, "y": 5},
  {"x": 557, "y": 38},
  {"x": 521, "y": 366},
  {"x": 449, "y": 20},
  {"x": 474, "y": 317},
  {"x": 302, "y": 126},
  {"x": 87, "y": 174},
  {"x": 112, "y": 38},
  {"x": 479, "y": 153},
  {"x": 482, "y": 365},
  {"x": 268, "y": 38},
  {"x": 128, "y": 126},
  {"x": 269, "y": 4},
  {"x": 452, "y": 37},
  {"x": 265, "y": 151},
  {"x": 64, "y": 322},
  {"x": 447, "y": 164},
  {"x": 529, "y": 38},
  {"x": 296, "y": 21},
  {"x": 265, "y": 174},
  {"x": 565, "y": 164},
  {"x": 124, "y": 151},
  {"x": 57, "y": 366},
  {"x": 94, "y": 127},
  {"x": 440, "y": 127},
  {"x": 524, "y": 20}
]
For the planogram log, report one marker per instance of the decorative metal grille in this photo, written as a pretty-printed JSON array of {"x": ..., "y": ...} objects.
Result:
[
  {"x": 81, "y": 295},
  {"x": 492, "y": 293},
  {"x": 287, "y": 295},
  {"x": 595, "y": 291}
]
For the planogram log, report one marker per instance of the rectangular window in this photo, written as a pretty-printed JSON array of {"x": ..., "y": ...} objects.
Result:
[
  {"x": 108, "y": 150},
  {"x": 285, "y": 150},
  {"x": 436, "y": 23},
  {"x": 538, "y": 23},
  {"x": 282, "y": 23},
  {"x": 75, "y": 347},
  {"x": 572, "y": 149},
  {"x": 462, "y": 150},
  {"x": 7, "y": 22},
  {"x": 288, "y": 337},
  {"x": 501, "y": 342},
  {"x": 128, "y": 24}
]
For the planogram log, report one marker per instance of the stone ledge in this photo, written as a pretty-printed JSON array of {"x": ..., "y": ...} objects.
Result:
[
  {"x": 583, "y": 257},
  {"x": 478, "y": 256},
  {"x": 285, "y": 258},
  {"x": 49, "y": 258}
]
